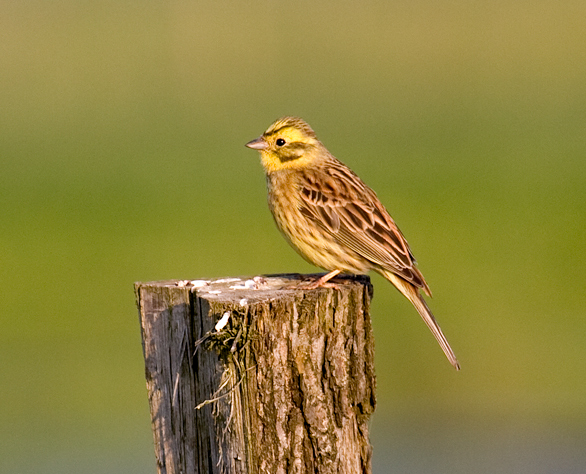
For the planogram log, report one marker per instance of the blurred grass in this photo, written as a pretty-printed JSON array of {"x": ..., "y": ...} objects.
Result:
[{"x": 122, "y": 132}]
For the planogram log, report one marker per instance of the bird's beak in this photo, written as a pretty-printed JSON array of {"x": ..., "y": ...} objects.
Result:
[{"x": 258, "y": 144}]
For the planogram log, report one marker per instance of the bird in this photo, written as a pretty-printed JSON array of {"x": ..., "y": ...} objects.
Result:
[{"x": 334, "y": 220}]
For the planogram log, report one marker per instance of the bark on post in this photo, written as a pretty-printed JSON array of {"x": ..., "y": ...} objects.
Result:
[{"x": 259, "y": 376}]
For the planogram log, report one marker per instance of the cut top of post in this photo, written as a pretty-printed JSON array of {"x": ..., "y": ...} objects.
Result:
[{"x": 244, "y": 291}]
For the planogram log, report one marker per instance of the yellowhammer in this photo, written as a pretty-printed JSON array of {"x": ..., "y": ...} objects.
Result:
[{"x": 333, "y": 219}]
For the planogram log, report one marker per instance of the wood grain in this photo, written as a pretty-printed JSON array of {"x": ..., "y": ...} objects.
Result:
[{"x": 286, "y": 385}]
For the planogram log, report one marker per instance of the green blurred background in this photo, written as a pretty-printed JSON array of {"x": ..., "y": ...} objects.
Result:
[{"x": 122, "y": 127}]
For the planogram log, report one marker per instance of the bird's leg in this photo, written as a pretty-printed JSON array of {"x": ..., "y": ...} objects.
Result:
[{"x": 322, "y": 282}]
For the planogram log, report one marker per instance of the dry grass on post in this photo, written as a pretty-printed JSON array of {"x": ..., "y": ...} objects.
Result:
[{"x": 259, "y": 376}]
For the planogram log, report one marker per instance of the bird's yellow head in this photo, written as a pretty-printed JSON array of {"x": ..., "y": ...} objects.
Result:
[{"x": 289, "y": 143}]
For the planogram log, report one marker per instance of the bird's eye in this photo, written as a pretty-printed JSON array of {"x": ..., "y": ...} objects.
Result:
[{"x": 280, "y": 142}]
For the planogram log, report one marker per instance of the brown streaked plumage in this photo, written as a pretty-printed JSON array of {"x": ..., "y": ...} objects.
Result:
[{"x": 333, "y": 219}]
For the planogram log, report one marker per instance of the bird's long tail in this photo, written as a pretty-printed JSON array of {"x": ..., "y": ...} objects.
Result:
[{"x": 413, "y": 295}]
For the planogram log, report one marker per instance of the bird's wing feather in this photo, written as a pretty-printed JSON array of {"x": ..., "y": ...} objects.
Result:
[{"x": 334, "y": 198}]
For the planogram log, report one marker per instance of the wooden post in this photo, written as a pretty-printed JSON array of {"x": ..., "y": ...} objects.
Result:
[{"x": 259, "y": 376}]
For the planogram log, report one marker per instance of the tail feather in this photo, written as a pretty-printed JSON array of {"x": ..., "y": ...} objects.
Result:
[{"x": 413, "y": 295}]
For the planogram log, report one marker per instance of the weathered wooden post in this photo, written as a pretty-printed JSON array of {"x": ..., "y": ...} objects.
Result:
[{"x": 259, "y": 376}]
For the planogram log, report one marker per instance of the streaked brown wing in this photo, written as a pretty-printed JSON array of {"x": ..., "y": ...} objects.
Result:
[{"x": 338, "y": 201}]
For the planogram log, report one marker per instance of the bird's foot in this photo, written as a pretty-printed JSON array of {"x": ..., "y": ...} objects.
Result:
[{"x": 322, "y": 282}]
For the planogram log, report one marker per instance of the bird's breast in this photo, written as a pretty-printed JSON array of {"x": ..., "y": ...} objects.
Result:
[{"x": 304, "y": 234}]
